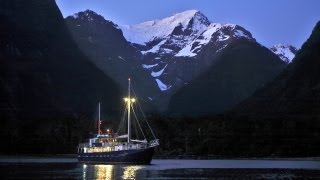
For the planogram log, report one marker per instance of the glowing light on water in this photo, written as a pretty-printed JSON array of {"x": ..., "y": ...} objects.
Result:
[
  {"x": 130, "y": 172},
  {"x": 84, "y": 171},
  {"x": 104, "y": 171}
]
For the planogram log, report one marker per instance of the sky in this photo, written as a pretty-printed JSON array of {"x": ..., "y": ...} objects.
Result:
[{"x": 270, "y": 21}]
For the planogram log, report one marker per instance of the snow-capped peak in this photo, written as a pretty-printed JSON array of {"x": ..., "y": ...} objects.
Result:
[
  {"x": 159, "y": 29},
  {"x": 187, "y": 13},
  {"x": 184, "y": 34},
  {"x": 286, "y": 52},
  {"x": 185, "y": 17}
]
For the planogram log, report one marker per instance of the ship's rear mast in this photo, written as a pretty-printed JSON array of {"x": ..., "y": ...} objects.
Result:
[{"x": 99, "y": 121}]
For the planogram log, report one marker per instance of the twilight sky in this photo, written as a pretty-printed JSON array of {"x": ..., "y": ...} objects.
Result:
[{"x": 270, "y": 21}]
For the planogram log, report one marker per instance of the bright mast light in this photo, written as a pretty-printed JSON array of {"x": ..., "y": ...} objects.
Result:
[{"x": 129, "y": 100}]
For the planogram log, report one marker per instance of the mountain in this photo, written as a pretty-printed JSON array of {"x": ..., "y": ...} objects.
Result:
[
  {"x": 284, "y": 51},
  {"x": 243, "y": 67},
  {"x": 296, "y": 90},
  {"x": 43, "y": 74},
  {"x": 103, "y": 42},
  {"x": 167, "y": 54},
  {"x": 169, "y": 44}
]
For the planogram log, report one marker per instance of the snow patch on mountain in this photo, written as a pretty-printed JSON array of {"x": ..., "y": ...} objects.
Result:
[
  {"x": 284, "y": 51},
  {"x": 120, "y": 57},
  {"x": 158, "y": 73},
  {"x": 214, "y": 27},
  {"x": 146, "y": 66},
  {"x": 239, "y": 33},
  {"x": 186, "y": 52},
  {"x": 155, "y": 48},
  {"x": 166, "y": 51},
  {"x": 75, "y": 16},
  {"x": 223, "y": 37},
  {"x": 162, "y": 86}
]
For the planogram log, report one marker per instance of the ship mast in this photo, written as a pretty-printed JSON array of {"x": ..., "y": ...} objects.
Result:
[
  {"x": 99, "y": 121},
  {"x": 129, "y": 101},
  {"x": 129, "y": 104}
]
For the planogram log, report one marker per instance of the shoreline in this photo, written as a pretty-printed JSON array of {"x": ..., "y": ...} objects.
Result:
[
  {"x": 72, "y": 158},
  {"x": 172, "y": 164}
]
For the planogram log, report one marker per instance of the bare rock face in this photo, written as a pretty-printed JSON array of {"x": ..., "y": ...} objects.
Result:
[
  {"x": 295, "y": 92},
  {"x": 43, "y": 72}
]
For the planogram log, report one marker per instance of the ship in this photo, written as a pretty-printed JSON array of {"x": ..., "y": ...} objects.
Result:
[{"x": 120, "y": 147}]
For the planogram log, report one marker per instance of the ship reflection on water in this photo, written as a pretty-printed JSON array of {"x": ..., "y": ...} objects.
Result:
[
  {"x": 50, "y": 168},
  {"x": 90, "y": 171}
]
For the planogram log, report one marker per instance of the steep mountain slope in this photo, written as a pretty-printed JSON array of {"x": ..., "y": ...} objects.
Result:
[
  {"x": 102, "y": 41},
  {"x": 165, "y": 55},
  {"x": 296, "y": 90},
  {"x": 43, "y": 73},
  {"x": 284, "y": 51},
  {"x": 238, "y": 71}
]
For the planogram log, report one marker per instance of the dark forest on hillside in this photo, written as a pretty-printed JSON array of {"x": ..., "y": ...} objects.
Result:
[{"x": 213, "y": 136}]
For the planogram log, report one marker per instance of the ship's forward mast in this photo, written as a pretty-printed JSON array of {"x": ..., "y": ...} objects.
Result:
[
  {"x": 129, "y": 101},
  {"x": 131, "y": 115}
]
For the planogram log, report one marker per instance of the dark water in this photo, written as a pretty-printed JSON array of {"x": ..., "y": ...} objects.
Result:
[{"x": 160, "y": 169}]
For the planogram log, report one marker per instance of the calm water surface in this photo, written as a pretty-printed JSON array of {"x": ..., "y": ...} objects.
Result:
[{"x": 68, "y": 168}]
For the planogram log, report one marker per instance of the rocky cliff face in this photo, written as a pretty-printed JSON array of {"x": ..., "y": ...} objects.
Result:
[
  {"x": 43, "y": 73},
  {"x": 296, "y": 90},
  {"x": 103, "y": 42},
  {"x": 234, "y": 76}
]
